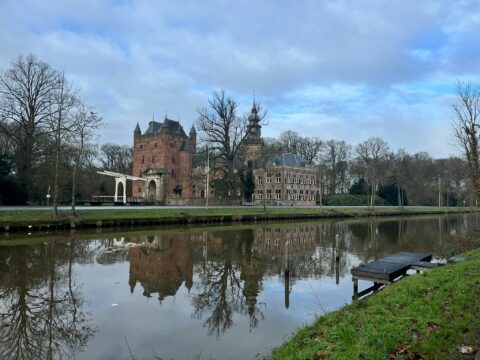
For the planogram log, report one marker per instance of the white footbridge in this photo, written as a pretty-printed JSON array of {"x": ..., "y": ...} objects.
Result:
[{"x": 120, "y": 181}]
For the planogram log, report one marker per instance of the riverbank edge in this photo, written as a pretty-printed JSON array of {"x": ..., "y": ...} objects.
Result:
[
  {"x": 44, "y": 220},
  {"x": 432, "y": 315}
]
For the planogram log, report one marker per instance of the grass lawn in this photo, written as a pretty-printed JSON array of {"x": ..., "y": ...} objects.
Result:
[
  {"x": 40, "y": 217},
  {"x": 424, "y": 316}
]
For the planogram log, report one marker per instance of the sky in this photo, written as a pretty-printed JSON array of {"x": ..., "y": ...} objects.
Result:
[{"x": 333, "y": 69}]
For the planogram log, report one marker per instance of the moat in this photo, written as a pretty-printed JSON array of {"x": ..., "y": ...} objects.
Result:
[{"x": 191, "y": 292}]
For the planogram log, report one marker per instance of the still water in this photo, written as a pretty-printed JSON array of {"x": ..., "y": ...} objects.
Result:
[{"x": 227, "y": 292}]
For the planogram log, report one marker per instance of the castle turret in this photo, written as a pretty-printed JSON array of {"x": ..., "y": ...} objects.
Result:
[
  {"x": 137, "y": 130},
  {"x": 254, "y": 127},
  {"x": 253, "y": 142},
  {"x": 193, "y": 139},
  {"x": 137, "y": 133}
]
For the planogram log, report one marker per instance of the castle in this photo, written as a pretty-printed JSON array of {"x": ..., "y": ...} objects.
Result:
[
  {"x": 166, "y": 157},
  {"x": 163, "y": 156}
]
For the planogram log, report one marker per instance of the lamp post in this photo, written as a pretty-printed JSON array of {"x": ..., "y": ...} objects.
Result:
[
  {"x": 439, "y": 190},
  {"x": 207, "y": 170}
]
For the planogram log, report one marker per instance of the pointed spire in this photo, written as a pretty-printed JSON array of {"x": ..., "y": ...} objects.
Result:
[
  {"x": 192, "y": 130},
  {"x": 137, "y": 129},
  {"x": 254, "y": 107},
  {"x": 253, "y": 118}
]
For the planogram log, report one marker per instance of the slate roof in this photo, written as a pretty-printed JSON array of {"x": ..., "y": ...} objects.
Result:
[
  {"x": 174, "y": 127},
  {"x": 185, "y": 145},
  {"x": 287, "y": 159},
  {"x": 154, "y": 127}
]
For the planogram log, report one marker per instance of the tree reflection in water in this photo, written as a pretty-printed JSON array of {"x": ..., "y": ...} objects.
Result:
[
  {"x": 229, "y": 282},
  {"x": 42, "y": 312}
]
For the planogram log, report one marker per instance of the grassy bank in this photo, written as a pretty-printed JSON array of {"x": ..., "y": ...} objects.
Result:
[
  {"x": 425, "y": 316},
  {"x": 18, "y": 220}
]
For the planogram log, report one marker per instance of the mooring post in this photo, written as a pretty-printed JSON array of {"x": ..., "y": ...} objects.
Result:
[
  {"x": 337, "y": 259},
  {"x": 355, "y": 288},
  {"x": 287, "y": 289},
  {"x": 337, "y": 252}
]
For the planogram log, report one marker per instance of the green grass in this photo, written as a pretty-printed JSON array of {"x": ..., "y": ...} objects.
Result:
[
  {"x": 22, "y": 218},
  {"x": 430, "y": 315}
]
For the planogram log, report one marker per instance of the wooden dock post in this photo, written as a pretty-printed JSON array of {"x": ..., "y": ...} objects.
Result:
[
  {"x": 355, "y": 288},
  {"x": 384, "y": 271}
]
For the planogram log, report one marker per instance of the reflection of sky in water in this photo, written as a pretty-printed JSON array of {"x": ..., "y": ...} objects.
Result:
[{"x": 252, "y": 260}]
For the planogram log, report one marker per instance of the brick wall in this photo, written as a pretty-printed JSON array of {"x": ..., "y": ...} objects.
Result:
[{"x": 163, "y": 151}]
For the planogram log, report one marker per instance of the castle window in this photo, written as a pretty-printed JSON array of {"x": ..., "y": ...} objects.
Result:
[
  {"x": 269, "y": 194},
  {"x": 156, "y": 144},
  {"x": 269, "y": 178},
  {"x": 139, "y": 189},
  {"x": 153, "y": 159},
  {"x": 143, "y": 159},
  {"x": 259, "y": 194},
  {"x": 278, "y": 178},
  {"x": 260, "y": 179},
  {"x": 140, "y": 146},
  {"x": 173, "y": 160},
  {"x": 278, "y": 194},
  {"x": 288, "y": 195}
]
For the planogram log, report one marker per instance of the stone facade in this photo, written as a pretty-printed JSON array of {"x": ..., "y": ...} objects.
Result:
[
  {"x": 175, "y": 174},
  {"x": 163, "y": 155},
  {"x": 283, "y": 183}
]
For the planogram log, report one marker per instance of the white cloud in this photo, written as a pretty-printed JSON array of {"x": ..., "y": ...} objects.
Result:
[{"x": 344, "y": 69}]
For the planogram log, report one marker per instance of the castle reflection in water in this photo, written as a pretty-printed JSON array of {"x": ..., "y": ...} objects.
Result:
[
  {"x": 222, "y": 270},
  {"x": 227, "y": 268},
  {"x": 164, "y": 262}
]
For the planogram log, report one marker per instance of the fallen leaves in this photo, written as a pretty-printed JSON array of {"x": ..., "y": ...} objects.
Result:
[
  {"x": 464, "y": 349},
  {"x": 320, "y": 356},
  {"x": 402, "y": 350},
  {"x": 431, "y": 328}
]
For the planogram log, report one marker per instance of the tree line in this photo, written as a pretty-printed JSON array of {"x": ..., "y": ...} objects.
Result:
[
  {"x": 46, "y": 133},
  {"x": 49, "y": 146},
  {"x": 367, "y": 173}
]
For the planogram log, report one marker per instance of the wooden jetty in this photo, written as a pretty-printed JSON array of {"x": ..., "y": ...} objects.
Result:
[{"x": 384, "y": 271}]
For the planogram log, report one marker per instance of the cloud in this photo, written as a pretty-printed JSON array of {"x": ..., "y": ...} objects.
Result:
[{"x": 345, "y": 69}]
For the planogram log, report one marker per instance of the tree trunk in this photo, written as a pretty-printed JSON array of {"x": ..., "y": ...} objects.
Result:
[
  {"x": 74, "y": 183},
  {"x": 373, "y": 195},
  {"x": 55, "y": 185}
]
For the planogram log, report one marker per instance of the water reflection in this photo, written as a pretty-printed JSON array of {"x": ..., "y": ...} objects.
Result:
[
  {"x": 260, "y": 276},
  {"x": 42, "y": 310}
]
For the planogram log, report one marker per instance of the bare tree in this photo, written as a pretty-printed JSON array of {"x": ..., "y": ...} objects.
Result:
[
  {"x": 85, "y": 122},
  {"x": 334, "y": 157},
  {"x": 466, "y": 128},
  {"x": 290, "y": 140},
  {"x": 400, "y": 173},
  {"x": 225, "y": 132},
  {"x": 372, "y": 153},
  {"x": 309, "y": 149},
  {"x": 60, "y": 123},
  {"x": 25, "y": 93},
  {"x": 117, "y": 158}
]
